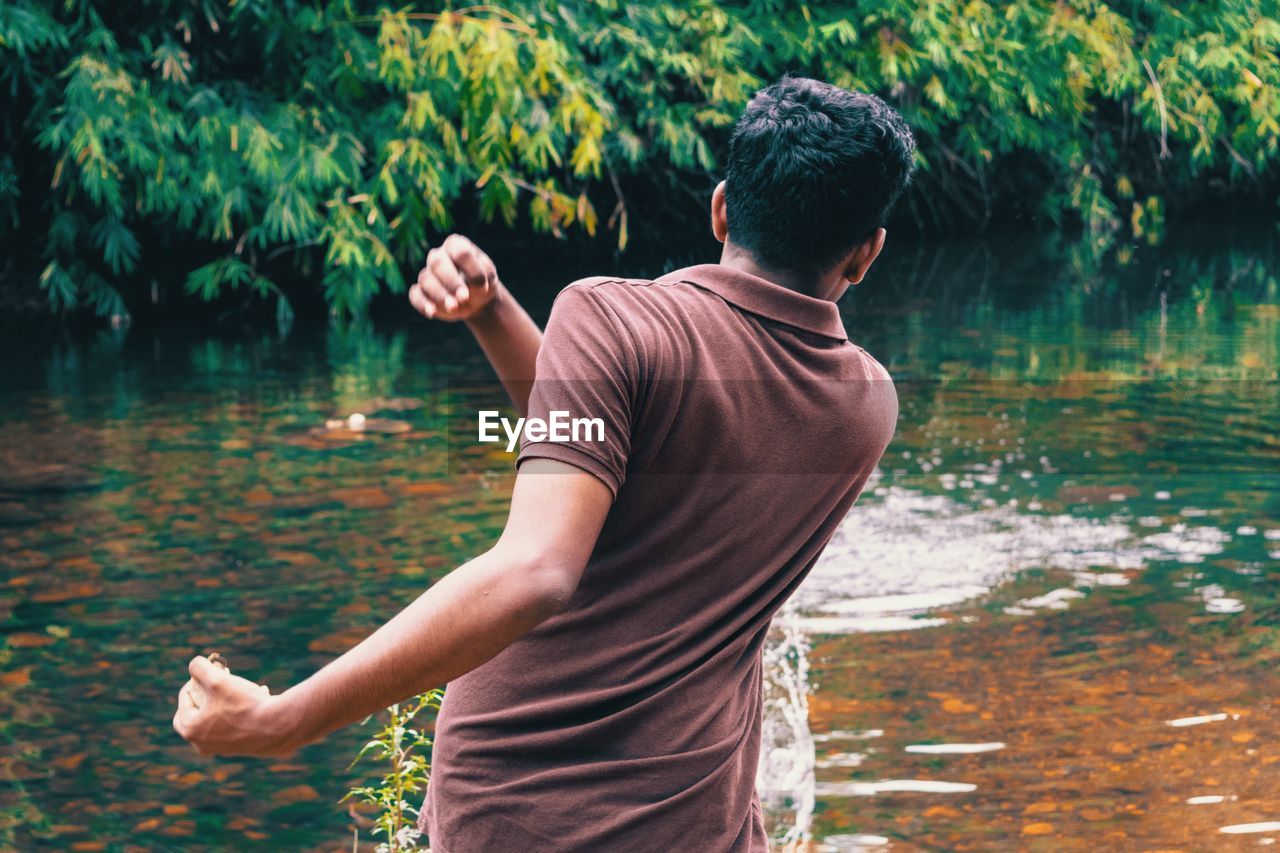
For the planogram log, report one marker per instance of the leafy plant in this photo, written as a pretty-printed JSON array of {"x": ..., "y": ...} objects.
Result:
[
  {"x": 332, "y": 140},
  {"x": 402, "y": 746}
]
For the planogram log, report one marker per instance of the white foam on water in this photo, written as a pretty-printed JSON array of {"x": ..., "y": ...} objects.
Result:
[
  {"x": 1101, "y": 579},
  {"x": 844, "y": 843},
  {"x": 911, "y": 602},
  {"x": 1224, "y": 605},
  {"x": 901, "y": 554},
  {"x": 843, "y": 759},
  {"x": 953, "y": 748},
  {"x": 1245, "y": 828},
  {"x": 785, "y": 776},
  {"x": 1054, "y": 600},
  {"x": 863, "y": 624},
  {"x": 1187, "y": 543},
  {"x": 1182, "y": 722},
  {"x": 892, "y": 786},
  {"x": 865, "y": 734},
  {"x": 909, "y": 551}
]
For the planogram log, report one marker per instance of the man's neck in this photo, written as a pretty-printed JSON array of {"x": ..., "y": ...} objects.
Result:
[{"x": 807, "y": 284}]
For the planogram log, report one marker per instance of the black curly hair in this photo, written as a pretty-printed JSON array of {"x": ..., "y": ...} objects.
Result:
[{"x": 813, "y": 170}]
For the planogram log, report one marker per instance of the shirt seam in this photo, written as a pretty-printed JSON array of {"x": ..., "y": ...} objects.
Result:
[{"x": 532, "y": 449}]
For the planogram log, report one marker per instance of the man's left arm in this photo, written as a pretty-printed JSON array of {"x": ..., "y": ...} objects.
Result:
[{"x": 461, "y": 622}]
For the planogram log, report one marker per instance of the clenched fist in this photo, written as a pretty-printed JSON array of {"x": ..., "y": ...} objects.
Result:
[{"x": 457, "y": 283}]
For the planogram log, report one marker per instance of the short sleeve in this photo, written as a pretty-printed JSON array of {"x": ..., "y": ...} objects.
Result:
[{"x": 583, "y": 389}]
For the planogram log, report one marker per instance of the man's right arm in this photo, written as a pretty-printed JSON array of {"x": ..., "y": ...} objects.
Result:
[{"x": 460, "y": 282}]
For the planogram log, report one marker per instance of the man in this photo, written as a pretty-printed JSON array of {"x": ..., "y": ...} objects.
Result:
[{"x": 603, "y": 657}]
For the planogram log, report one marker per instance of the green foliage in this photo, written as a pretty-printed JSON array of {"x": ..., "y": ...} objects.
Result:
[
  {"x": 281, "y": 137},
  {"x": 399, "y": 745}
]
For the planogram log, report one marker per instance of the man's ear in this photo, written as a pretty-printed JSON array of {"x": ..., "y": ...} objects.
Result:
[
  {"x": 864, "y": 256},
  {"x": 719, "y": 216}
]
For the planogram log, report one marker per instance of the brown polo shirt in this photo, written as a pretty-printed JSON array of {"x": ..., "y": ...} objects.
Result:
[{"x": 739, "y": 426}]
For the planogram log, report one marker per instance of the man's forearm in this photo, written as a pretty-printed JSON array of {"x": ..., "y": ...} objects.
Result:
[
  {"x": 459, "y": 623},
  {"x": 510, "y": 339}
]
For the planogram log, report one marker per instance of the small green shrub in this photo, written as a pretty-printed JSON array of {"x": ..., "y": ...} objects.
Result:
[{"x": 402, "y": 746}]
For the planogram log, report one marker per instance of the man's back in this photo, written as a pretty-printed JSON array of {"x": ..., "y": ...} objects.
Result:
[
  {"x": 603, "y": 656},
  {"x": 740, "y": 425}
]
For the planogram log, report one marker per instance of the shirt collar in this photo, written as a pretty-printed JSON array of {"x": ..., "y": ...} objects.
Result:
[{"x": 759, "y": 296}]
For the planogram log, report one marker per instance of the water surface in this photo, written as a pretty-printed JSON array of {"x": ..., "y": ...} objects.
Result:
[{"x": 1051, "y": 621}]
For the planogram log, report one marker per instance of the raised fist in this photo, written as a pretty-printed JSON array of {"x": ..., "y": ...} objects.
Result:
[{"x": 458, "y": 281}]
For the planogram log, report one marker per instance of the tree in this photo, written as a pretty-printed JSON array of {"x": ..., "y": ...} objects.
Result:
[{"x": 341, "y": 136}]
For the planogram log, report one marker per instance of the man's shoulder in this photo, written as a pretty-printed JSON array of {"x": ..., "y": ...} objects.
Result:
[{"x": 632, "y": 300}]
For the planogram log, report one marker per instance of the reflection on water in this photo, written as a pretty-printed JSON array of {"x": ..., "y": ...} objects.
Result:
[{"x": 1051, "y": 621}]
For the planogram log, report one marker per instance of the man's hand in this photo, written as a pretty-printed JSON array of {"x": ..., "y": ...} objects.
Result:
[
  {"x": 457, "y": 283},
  {"x": 224, "y": 714}
]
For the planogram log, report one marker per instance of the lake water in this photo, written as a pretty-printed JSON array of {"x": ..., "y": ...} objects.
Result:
[{"x": 1052, "y": 620}]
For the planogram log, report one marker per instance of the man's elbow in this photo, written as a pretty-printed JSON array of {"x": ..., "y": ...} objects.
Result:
[{"x": 547, "y": 584}]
